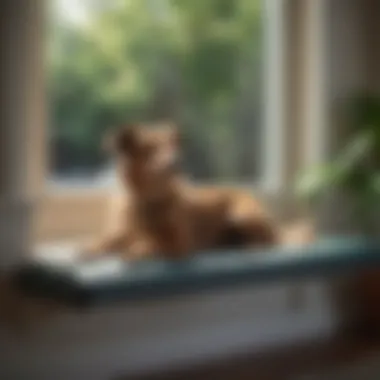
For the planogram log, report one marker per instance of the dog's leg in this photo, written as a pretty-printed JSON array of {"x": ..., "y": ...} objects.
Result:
[
  {"x": 261, "y": 232},
  {"x": 252, "y": 223},
  {"x": 182, "y": 242},
  {"x": 140, "y": 249},
  {"x": 108, "y": 243},
  {"x": 256, "y": 231},
  {"x": 144, "y": 247}
]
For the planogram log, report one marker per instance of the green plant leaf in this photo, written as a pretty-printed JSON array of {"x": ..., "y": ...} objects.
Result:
[
  {"x": 365, "y": 115},
  {"x": 365, "y": 111},
  {"x": 356, "y": 152},
  {"x": 375, "y": 184},
  {"x": 313, "y": 183}
]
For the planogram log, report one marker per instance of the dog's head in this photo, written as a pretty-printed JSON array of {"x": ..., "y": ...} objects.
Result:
[{"x": 147, "y": 156}]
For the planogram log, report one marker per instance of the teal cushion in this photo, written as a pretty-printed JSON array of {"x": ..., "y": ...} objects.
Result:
[{"x": 111, "y": 279}]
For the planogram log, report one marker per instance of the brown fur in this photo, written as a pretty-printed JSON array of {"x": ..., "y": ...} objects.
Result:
[{"x": 160, "y": 213}]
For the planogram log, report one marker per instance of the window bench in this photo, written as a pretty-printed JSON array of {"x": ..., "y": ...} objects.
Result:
[
  {"x": 105, "y": 280},
  {"x": 157, "y": 316}
]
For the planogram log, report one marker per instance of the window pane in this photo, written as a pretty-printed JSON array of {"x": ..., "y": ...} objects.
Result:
[{"x": 198, "y": 62}]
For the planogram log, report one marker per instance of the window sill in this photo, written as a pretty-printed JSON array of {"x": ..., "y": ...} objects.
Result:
[
  {"x": 73, "y": 213},
  {"x": 107, "y": 280}
]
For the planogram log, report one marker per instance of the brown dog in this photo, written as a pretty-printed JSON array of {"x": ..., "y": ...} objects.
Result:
[{"x": 160, "y": 213}]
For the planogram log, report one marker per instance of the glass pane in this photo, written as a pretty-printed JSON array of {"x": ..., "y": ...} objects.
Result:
[{"x": 197, "y": 62}]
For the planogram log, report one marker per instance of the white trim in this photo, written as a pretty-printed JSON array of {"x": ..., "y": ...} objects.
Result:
[
  {"x": 314, "y": 82},
  {"x": 274, "y": 94}
]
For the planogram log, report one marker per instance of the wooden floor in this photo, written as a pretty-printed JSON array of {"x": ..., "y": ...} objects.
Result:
[{"x": 291, "y": 363}]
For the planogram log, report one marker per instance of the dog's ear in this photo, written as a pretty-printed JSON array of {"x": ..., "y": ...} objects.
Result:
[{"x": 122, "y": 140}]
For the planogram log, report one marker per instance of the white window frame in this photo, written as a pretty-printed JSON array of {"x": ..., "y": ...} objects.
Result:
[{"x": 74, "y": 213}]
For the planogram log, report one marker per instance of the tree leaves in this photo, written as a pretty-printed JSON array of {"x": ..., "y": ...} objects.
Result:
[{"x": 140, "y": 59}]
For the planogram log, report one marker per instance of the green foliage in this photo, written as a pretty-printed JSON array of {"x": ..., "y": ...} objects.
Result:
[
  {"x": 195, "y": 61},
  {"x": 356, "y": 168}
]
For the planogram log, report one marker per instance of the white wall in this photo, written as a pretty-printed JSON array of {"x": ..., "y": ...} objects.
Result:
[{"x": 137, "y": 338}]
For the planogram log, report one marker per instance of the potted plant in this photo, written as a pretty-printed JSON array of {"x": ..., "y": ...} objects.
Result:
[{"x": 353, "y": 178}]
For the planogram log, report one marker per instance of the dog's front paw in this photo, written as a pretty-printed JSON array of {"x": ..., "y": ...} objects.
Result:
[
  {"x": 140, "y": 250},
  {"x": 91, "y": 249}
]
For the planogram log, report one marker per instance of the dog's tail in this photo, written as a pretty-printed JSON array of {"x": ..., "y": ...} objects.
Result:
[{"x": 297, "y": 233}]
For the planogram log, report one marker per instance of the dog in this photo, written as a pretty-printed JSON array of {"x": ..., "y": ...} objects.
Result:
[{"x": 160, "y": 213}]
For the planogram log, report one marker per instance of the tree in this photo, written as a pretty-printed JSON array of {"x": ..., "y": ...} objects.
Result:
[{"x": 195, "y": 61}]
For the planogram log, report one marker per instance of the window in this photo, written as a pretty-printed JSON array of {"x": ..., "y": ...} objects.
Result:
[
  {"x": 197, "y": 63},
  {"x": 69, "y": 211},
  {"x": 216, "y": 68}
]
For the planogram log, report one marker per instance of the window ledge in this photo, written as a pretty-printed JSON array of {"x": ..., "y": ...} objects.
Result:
[
  {"x": 107, "y": 280},
  {"x": 70, "y": 213}
]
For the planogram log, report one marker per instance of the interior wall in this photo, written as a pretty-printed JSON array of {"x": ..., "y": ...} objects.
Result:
[
  {"x": 21, "y": 92},
  {"x": 347, "y": 63},
  {"x": 373, "y": 32}
]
